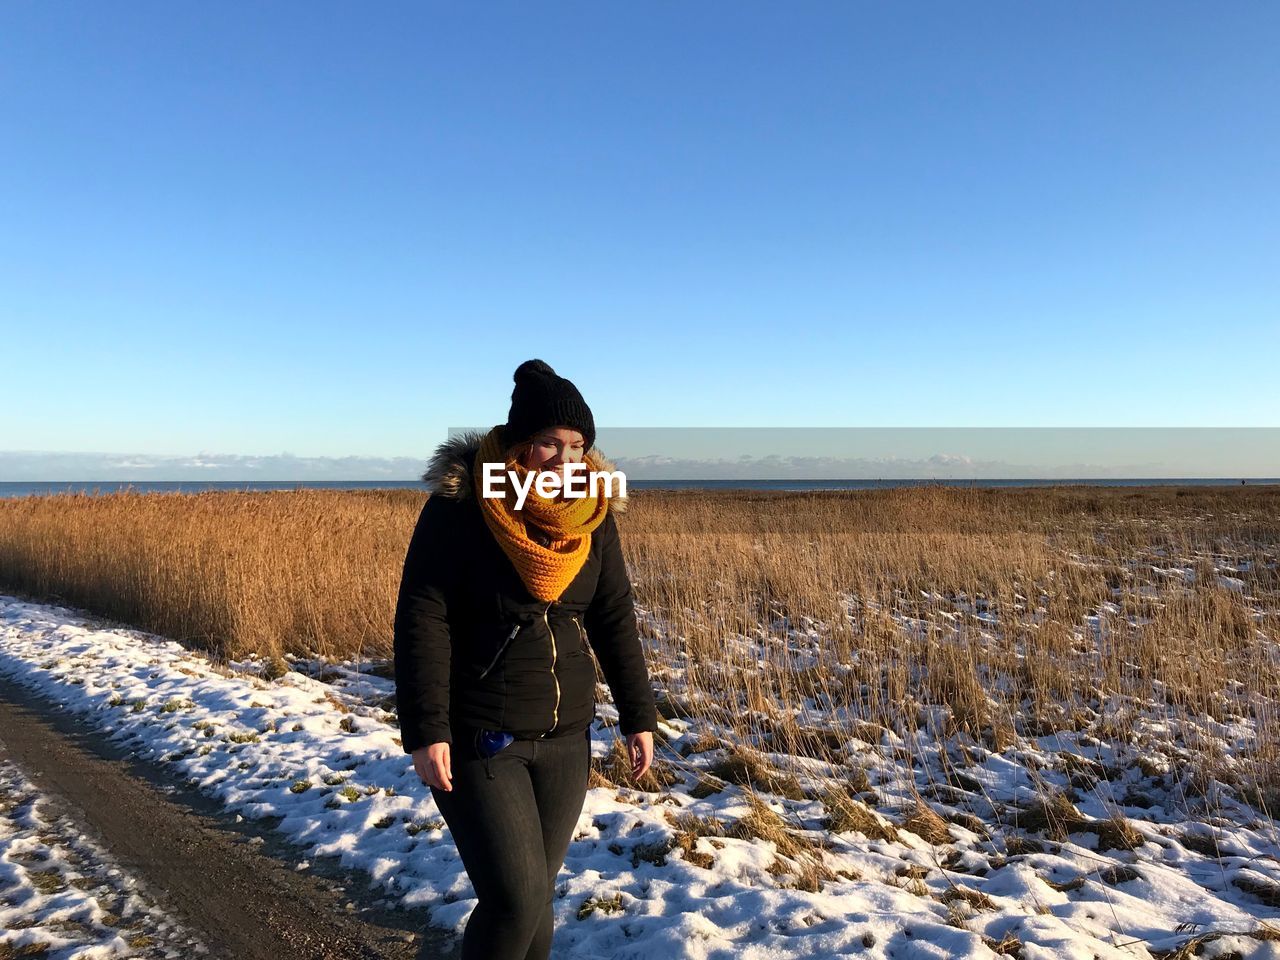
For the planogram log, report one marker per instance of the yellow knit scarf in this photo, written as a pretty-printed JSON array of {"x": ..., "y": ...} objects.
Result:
[{"x": 568, "y": 521}]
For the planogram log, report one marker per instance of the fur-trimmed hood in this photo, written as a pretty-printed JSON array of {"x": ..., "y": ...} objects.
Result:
[{"x": 449, "y": 471}]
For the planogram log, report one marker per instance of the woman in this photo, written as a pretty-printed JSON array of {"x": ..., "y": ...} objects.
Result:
[{"x": 495, "y": 684}]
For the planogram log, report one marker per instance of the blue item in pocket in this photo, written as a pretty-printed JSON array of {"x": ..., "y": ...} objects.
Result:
[{"x": 491, "y": 742}]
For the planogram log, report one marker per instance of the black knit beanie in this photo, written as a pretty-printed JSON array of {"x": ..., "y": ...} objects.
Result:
[{"x": 543, "y": 399}]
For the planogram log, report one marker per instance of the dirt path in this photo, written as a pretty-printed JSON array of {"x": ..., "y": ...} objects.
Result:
[{"x": 232, "y": 883}]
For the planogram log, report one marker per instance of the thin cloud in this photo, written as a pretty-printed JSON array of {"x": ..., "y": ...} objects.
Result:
[{"x": 37, "y": 466}]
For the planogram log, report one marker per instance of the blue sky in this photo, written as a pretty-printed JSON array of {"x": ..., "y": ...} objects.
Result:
[{"x": 336, "y": 229}]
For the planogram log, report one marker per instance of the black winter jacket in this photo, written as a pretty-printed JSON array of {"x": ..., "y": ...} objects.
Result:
[{"x": 474, "y": 648}]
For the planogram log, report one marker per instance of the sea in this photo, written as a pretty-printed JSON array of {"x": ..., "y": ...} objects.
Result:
[{"x": 48, "y": 488}]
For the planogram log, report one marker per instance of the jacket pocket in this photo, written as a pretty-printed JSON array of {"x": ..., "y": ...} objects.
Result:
[
  {"x": 502, "y": 648},
  {"x": 583, "y": 647},
  {"x": 582, "y": 636}
]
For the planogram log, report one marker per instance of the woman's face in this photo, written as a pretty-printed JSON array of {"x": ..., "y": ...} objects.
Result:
[{"x": 555, "y": 446}]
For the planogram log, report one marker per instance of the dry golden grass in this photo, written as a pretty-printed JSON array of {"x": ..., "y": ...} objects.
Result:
[
  {"x": 846, "y": 813},
  {"x": 1019, "y": 611},
  {"x": 305, "y": 571}
]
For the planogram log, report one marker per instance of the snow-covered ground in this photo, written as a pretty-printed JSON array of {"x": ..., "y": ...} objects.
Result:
[
  {"x": 62, "y": 897},
  {"x": 684, "y": 872}
]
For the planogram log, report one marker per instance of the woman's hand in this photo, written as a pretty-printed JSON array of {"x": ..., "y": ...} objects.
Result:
[
  {"x": 432, "y": 764},
  {"x": 640, "y": 750}
]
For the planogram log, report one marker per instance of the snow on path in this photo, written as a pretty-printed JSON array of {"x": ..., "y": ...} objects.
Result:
[
  {"x": 338, "y": 778},
  {"x": 62, "y": 897}
]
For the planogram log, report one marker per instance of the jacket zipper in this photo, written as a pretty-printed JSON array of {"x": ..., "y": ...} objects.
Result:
[
  {"x": 503, "y": 646},
  {"x": 555, "y": 710}
]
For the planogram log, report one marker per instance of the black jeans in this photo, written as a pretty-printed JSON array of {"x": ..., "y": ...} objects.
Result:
[{"x": 512, "y": 832}]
